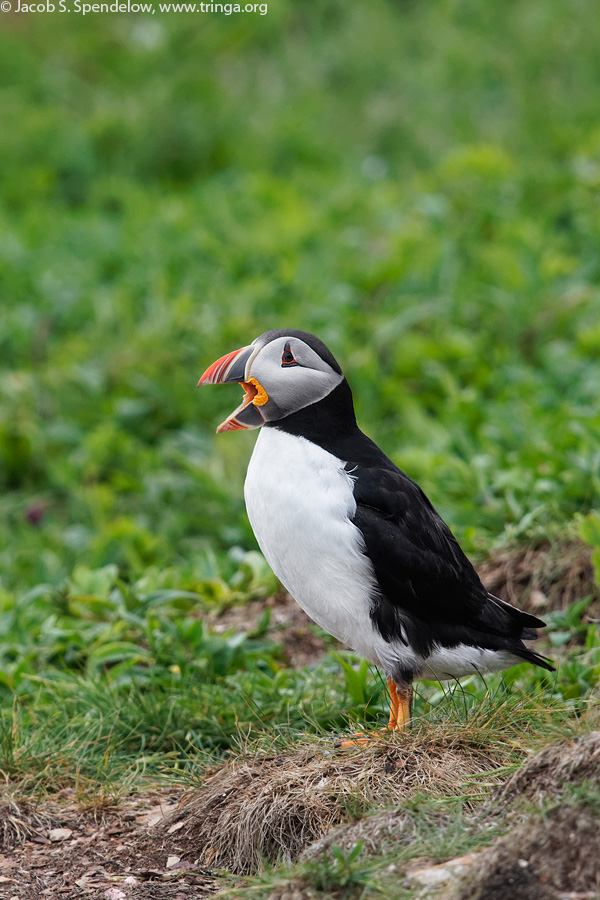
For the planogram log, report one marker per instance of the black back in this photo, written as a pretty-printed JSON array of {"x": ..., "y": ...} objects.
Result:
[{"x": 429, "y": 593}]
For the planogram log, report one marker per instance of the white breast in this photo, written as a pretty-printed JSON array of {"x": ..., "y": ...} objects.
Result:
[{"x": 300, "y": 505}]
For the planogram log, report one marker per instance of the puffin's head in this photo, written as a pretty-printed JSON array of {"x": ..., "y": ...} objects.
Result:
[{"x": 281, "y": 372}]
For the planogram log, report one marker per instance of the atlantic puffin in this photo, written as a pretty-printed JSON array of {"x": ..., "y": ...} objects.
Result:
[{"x": 351, "y": 537}]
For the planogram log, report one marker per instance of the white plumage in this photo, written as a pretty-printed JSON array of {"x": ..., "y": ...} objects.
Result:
[{"x": 300, "y": 503}]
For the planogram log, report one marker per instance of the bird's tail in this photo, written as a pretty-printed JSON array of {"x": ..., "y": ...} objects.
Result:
[
  {"x": 527, "y": 625},
  {"x": 531, "y": 656}
]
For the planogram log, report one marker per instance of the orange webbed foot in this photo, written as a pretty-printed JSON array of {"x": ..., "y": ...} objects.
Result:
[{"x": 400, "y": 714}]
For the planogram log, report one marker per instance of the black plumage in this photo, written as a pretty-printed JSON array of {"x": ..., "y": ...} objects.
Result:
[{"x": 429, "y": 595}]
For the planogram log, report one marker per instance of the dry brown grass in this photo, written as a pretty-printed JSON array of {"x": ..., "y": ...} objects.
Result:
[
  {"x": 270, "y": 807},
  {"x": 18, "y": 822},
  {"x": 542, "y": 577},
  {"x": 378, "y": 833},
  {"x": 545, "y": 774}
]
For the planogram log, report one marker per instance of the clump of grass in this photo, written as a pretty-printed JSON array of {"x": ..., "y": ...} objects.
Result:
[
  {"x": 268, "y": 807},
  {"x": 547, "y": 773},
  {"x": 19, "y": 821},
  {"x": 374, "y": 834}
]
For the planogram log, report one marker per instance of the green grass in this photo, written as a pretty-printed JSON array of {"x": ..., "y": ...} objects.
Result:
[
  {"x": 416, "y": 183},
  {"x": 104, "y": 681}
]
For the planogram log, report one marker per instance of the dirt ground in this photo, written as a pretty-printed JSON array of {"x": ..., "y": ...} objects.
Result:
[
  {"x": 160, "y": 846},
  {"x": 542, "y": 858},
  {"x": 301, "y": 641},
  {"x": 61, "y": 851},
  {"x": 550, "y": 849},
  {"x": 269, "y": 806}
]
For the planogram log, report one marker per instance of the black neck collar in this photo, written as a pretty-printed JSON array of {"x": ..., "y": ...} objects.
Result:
[
  {"x": 331, "y": 424},
  {"x": 328, "y": 423}
]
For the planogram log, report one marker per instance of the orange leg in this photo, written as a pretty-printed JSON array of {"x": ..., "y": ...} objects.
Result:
[
  {"x": 400, "y": 705},
  {"x": 400, "y": 713}
]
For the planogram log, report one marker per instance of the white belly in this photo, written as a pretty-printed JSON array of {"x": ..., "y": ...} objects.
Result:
[{"x": 300, "y": 504}]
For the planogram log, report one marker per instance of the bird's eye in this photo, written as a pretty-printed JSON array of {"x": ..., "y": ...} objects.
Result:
[{"x": 287, "y": 357}]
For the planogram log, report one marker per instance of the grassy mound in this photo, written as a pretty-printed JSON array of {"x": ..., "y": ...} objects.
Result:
[
  {"x": 545, "y": 854},
  {"x": 552, "y": 802},
  {"x": 268, "y": 808},
  {"x": 376, "y": 833},
  {"x": 549, "y": 772}
]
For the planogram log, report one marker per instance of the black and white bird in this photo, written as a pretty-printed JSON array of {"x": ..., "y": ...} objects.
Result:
[{"x": 351, "y": 537}]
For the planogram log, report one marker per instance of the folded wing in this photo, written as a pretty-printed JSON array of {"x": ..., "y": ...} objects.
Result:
[{"x": 430, "y": 594}]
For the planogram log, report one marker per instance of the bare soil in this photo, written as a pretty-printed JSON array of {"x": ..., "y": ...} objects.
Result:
[
  {"x": 272, "y": 807},
  {"x": 61, "y": 851},
  {"x": 248, "y": 811},
  {"x": 301, "y": 641},
  {"x": 551, "y": 846}
]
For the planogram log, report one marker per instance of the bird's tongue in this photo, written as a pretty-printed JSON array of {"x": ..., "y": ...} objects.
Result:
[
  {"x": 250, "y": 391},
  {"x": 243, "y": 416}
]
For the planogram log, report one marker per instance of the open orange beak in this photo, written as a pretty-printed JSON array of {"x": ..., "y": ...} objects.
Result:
[{"x": 236, "y": 367}]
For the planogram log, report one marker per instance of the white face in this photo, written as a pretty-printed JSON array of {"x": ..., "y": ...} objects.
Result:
[{"x": 291, "y": 374}]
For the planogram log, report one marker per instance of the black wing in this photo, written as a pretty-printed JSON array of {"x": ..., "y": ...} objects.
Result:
[{"x": 430, "y": 594}]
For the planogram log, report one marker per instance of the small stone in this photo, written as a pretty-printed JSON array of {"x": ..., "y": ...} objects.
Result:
[
  {"x": 433, "y": 875},
  {"x": 59, "y": 834}
]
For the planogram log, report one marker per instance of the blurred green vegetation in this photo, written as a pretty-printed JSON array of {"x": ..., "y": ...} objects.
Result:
[
  {"x": 418, "y": 184},
  {"x": 425, "y": 200}
]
